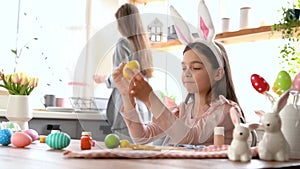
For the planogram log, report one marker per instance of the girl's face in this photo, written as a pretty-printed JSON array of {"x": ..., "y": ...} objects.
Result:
[{"x": 195, "y": 73}]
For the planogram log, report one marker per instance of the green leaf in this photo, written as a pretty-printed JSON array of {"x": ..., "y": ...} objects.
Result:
[{"x": 14, "y": 51}]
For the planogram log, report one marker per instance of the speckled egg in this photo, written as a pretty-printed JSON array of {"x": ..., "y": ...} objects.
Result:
[
  {"x": 20, "y": 139},
  {"x": 5, "y": 135},
  {"x": 58, "y": 140},
  {"x": 32, "y": 133}
]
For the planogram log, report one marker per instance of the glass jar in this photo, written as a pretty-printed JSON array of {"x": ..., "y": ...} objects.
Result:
[
  {"x": 218, "y": 136},
  {"x": 86, "y": 140}
]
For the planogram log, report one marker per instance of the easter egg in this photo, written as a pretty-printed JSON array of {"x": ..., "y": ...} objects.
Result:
[
  {"x": 32, "y": 133},
  {"x": 283, "y": 81},
  {"x": 259, "y": 83},
  {"x": 124, "y": 143},
  {"x": 58, "y": 140},
  {"x": 20, "y": 139},
  {"x": 133, "y": 64},
  {"x": 276, "y": 90},
  {"x": 112, "y": 141},
  {"x": 296, "y": 83},
  {"x": 5, "y": 135}
]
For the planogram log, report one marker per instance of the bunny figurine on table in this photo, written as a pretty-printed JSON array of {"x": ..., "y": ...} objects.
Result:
[
  {"x": 273, "y": 145},
  {"x": 239, "y": 149}
]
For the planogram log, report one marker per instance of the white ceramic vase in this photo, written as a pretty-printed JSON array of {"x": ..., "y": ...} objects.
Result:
[
  {"x": 290, "y": 117},
  {"x": 18, "y": 110}
]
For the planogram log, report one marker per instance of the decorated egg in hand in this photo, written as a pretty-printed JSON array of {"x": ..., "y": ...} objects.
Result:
[
  {"x": 58, "y": 140},
  {"x": 32, "y": 133},
  {"x": 259, "y": 83},
  {"x": 20, "y": 139},
  {"x": 133, "y": 64},
  {"x": 5, "y": 135},
  {"x": 296, "y": 83},
  {"x": 282, "y": 83}
]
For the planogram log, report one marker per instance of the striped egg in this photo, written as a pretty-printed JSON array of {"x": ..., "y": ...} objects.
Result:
[{"x": 58, "y": 140}]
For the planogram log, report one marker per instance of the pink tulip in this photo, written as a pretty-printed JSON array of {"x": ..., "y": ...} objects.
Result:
[
  {"x": 15, "y": 78},
  {"x": 24, "y": 79}
]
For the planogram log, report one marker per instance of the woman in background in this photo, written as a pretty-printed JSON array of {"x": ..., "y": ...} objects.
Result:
[{"x": 133, "y": 45}]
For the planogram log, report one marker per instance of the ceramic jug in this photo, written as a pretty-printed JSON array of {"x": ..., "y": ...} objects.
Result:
[{"x": 290, "y": 116}]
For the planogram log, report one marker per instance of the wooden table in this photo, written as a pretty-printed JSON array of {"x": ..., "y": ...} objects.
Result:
[{"x": 39, "y": 155}]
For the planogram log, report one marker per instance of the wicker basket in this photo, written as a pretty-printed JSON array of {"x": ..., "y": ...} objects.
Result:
[{"x": 92, "y": 103}]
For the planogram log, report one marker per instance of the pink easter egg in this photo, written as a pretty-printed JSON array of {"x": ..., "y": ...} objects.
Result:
[
  {"x": 20, "y": 139},
  {"x": 32, "y": 133},
  {"x": 296, "y": 83}
]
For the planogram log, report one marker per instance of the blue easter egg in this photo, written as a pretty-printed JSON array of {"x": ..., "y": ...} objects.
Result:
[
  {"x": 58, "y": 140},
  {"x": 5, "y": 135}
]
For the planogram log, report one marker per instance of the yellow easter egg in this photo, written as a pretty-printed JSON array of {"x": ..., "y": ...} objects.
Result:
[{"x": 133, "y": 64}]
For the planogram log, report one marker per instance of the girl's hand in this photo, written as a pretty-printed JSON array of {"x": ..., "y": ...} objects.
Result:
[
  {"x": 121, "y": 83},
  {"x": 140, "y": 88}
]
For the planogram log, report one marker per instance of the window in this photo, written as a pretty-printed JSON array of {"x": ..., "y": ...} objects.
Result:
[{"x": 61, "y": 33}]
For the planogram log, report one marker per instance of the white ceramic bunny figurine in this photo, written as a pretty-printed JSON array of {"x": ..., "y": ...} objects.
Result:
[
  {"x": 273, "y": 145},
  {"x": 239, "y": 149}
]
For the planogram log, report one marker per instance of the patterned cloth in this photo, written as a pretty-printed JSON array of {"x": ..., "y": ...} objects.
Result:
[{"x": 207, "y": 152}]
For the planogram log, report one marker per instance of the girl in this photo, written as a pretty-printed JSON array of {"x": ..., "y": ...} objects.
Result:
[{"x": 207, "y": 77}]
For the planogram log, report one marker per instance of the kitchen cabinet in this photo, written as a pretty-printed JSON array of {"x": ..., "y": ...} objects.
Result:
[{"x": 71, "y": 123}]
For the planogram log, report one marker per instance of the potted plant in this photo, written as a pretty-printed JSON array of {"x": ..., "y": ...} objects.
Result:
[{"x": 288, "y": 25}]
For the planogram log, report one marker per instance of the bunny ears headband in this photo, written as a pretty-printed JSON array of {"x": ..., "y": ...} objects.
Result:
[{"x": 206, "y": 30}]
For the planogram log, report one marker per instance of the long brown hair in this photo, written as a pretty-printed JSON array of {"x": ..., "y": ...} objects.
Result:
[{"x": 131, "y": 26}]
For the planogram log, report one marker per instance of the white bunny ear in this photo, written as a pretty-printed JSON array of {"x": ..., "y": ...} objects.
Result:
[
  {"x": 281, "y": 102},
  {"x": 182, "y": 29},
  {"x": 206, "y": 26},
  {"x": 235, "y": 117}
]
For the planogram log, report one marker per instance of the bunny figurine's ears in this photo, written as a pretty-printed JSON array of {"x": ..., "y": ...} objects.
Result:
[
  {"x": 206, "y": 30},
  {"x": 281, "y": 102},
  {"x": 236, "y": 116}
]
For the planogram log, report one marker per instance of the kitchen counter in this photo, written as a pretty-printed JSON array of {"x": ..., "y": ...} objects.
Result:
[
  {"x": 72, "y": 123},
  {"x": 101, "y": 115}
]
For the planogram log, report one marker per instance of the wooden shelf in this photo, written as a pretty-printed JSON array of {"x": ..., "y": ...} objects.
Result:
[
  {"x": 248, "y": 35},
  {"x": 241, "y": 36},
  {"x": 169, "y": 45}
]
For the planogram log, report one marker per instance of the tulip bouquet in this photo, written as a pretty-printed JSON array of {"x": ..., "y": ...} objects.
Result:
[{"x": 18, "y": 83}]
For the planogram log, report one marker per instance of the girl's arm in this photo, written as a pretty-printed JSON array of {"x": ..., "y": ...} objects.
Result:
[
  {"x": 183, "y": 129},
  {"x": 165, "y": 120},
  {"x": 139, "y": 132}
]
